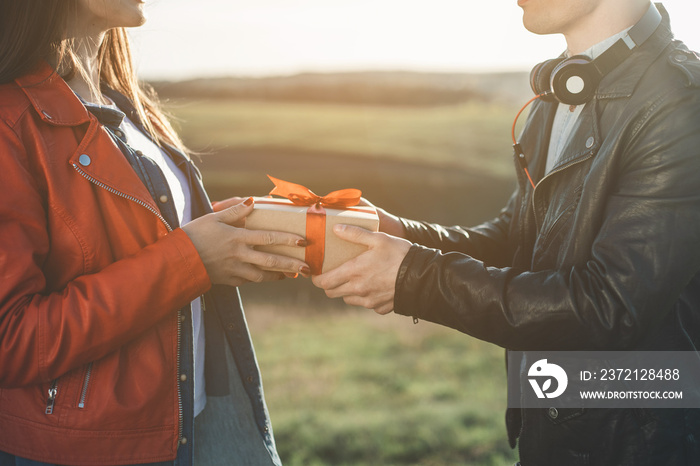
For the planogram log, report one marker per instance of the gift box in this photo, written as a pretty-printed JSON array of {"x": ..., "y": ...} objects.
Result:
[{"x": 306, "y": 214}]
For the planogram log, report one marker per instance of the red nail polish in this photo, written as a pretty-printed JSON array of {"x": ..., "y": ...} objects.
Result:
[
  {"x": 248, "y": 201},
  {"x": 302, "y": 243}
]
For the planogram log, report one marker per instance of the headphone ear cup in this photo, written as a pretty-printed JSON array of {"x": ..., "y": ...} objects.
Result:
[
  {"x": 574, "y": 80},
  {"x": 540, "y": 78}
]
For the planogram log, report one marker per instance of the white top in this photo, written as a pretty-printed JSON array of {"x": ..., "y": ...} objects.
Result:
[
  {"x": 567, "y": 115},
  {"x": 179, "y": 188}
]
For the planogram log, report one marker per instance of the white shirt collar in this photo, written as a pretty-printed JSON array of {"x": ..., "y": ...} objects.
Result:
[{"x": 599, "y": 48}]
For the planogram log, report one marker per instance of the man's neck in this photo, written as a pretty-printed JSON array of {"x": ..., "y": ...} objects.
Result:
[{"x": 605, "y": 21}]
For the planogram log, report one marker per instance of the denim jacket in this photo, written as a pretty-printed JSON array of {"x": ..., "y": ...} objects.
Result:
[{"x": 223, "y": 300}]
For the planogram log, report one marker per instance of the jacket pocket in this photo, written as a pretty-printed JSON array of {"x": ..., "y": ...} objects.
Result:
[
  {"x": 560, "y": 415},
  {"x": 573, "y": 455},
  {"x": 552, "y": 229},
  {"x": 553, "y": 441},
  {"x": 561, "y": 218}
]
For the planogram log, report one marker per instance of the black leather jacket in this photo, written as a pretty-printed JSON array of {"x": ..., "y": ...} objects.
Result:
[{"x": 603, "y": 255}]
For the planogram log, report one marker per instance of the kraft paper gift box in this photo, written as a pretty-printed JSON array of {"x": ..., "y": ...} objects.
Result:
[{"x": 325, "y": 251}]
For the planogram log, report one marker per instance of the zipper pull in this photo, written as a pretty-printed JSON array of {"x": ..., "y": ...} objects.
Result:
[
  {"x": 415, "y": 320},
  {"x": 52, "y": 398}
]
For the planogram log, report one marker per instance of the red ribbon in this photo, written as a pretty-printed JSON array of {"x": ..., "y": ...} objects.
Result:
[{"x": 315, "y": 214}]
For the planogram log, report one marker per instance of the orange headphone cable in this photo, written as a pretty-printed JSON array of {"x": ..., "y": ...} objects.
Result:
[{"x": 516, "y": 144}]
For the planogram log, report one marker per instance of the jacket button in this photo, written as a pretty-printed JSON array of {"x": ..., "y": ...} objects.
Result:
[
  {"x": 163, "y": 199},
  {"x": 84, "y": 160},
  {"x": 183, "y": 378},
  {"x": 553, "y": 413},
  {"x": 250, "y": 379},
  {"x": 680, "y": 57},
  {"x": 231, "y": 327},
  {"x": 589, "y": 142},
  {"x": 183, "y": 441},
  {"x": 118, "y": 133}
]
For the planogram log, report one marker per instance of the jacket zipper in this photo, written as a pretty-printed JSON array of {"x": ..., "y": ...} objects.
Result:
[
  {"x": 53, "y": 391},
  {"x": 179, "y": 324},
  {"x": 121, "y": 194},
  {"x": 520, "y": 435},
  {"x": 177, "y": 375},
  {"x": 86, "y": 382}
]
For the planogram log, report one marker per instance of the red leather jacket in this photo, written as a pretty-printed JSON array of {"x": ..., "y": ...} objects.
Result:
[{"x": 89, "y": 273}]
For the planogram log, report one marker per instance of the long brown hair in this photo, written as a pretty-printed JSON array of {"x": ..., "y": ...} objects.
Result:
[{"x": 35, "y": 30}]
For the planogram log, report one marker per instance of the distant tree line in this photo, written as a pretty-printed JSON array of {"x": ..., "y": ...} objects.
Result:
[{"x": 366, "y": 88}]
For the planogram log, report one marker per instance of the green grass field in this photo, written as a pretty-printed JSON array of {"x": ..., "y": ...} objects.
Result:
[
  {"x": 474, "y": 136},
  {"x": 355, "y": 388}
]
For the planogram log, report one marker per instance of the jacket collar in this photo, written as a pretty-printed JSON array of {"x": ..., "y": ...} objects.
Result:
[
  {"x": 108, "y": 116},
  {"x": 51, "y": 97},
  {"x": 621, "y": 81}
]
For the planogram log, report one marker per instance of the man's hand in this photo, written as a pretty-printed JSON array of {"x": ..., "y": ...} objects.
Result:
[{"x": 369, "y": 279}]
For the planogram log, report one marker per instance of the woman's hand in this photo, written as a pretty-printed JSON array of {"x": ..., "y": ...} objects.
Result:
[
  {"x": 226, "y": 248},
  {"x": 218, "y": 206}
]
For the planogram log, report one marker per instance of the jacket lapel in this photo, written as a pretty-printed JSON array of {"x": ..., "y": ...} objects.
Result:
[
  {"x": 101, "y": 160},
  {"x": 583, "y": 141},
  {"x": 96, "y": 155}
]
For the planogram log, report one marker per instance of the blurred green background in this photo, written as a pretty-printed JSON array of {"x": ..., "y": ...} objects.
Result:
[{"x": 345, "y": 386}]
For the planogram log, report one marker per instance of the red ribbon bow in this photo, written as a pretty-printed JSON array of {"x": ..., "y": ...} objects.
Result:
[{"x": 315, "y": 215}]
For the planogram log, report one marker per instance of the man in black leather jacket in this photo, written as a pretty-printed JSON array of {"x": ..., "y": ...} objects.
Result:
[{"x": 603, "y": 253}]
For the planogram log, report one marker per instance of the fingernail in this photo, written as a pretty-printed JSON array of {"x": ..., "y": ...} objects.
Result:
[
  {"x": 305, "y": 270},
  {"x": 339, "y": 228},
  {"x": 302, "y": 243},
  {"x": 248, "y": 201}
]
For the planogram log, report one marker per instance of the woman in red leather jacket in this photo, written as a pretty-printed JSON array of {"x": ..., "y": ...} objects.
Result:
[{"x": 113, "y": 267}]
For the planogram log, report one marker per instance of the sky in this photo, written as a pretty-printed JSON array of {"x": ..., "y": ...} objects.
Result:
[{"x": 185, "y": 39}]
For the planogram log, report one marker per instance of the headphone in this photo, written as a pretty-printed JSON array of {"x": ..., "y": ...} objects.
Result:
[{"x": 574, "y": 80}]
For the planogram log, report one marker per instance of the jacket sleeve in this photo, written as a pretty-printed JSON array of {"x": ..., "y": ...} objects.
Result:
[
  {"x": 45, "y": 334},
  {"x": 487, "y": 242},
  {"x": 645, "y": 252}
]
